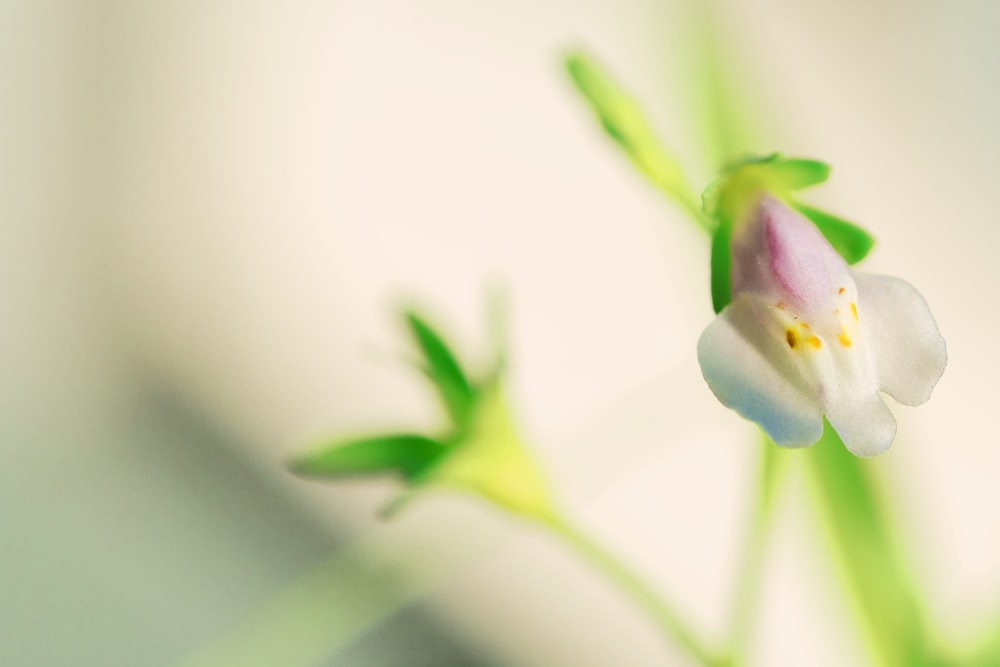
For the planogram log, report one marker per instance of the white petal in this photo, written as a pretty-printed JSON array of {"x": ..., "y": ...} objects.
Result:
[
  {"x": 747, "y": 363},
  {"x": 909, "y": 352},
  {"x": 863, "y": 422}
]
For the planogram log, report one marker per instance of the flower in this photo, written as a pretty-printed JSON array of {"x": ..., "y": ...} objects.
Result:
[{"x": 805, "y": 337}]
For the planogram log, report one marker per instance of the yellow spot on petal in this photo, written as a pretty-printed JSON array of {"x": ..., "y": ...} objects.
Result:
[
  {"x": 854, "y": 309},
  {"x": 844, "y": 339},
  {"x": 842, "y": 290},
  {"x": 779, "y": 306},
  {"x": 815, "y": 342},
  {"x": 792, "y": 338}
]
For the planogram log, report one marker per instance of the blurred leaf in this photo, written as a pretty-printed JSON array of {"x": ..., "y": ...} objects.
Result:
[
  {"x": 322, "y": 612},
  {"x": 443, "y": 370},
  {"x": 852, "y": 242},
  {"x": 722, "y": 85},
  {"x": 798, "y": 173},
  {"x": 625, "y": 122},
  {"x": 409, "y": 455},
  {"x": 863, "y": 549}
]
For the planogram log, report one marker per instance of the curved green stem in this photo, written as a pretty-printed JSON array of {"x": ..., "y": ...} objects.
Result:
[{"x": 657, "y": 608}]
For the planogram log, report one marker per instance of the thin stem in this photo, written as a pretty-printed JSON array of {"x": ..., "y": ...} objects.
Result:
[
  {"x": 748, "y": 583},
  {"x": 658, "y": 609}
]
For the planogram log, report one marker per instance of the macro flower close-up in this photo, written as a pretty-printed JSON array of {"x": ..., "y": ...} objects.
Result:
[
  {"x": 806, "y": 337},
  {"x": 437, "y": 333}
]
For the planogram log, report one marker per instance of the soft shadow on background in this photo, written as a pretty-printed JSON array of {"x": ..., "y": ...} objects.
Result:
[{"x": 209, "y": 211}]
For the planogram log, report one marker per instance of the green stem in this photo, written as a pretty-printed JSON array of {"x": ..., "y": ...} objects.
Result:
[
  {"x": 658, "y": 609},
  {"x": 860, "y": 538},
  {"x": 748, "y": 583}
]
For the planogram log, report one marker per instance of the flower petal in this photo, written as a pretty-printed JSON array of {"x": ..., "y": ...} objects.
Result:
[
  {"x": 750, "y": 368},
  {"x": 909, "y": 352},
  {"x": 782, "y": 256},
  {"x": 863, "y": 422}
]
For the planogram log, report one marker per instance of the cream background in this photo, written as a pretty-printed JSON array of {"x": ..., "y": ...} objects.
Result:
[{"x": 223, "y": 201}]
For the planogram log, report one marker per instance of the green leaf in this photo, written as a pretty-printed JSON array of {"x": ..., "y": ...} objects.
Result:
[
  {"x": 409, "y": 455},
  {"x": 852, "y": 242},
  {"x": 797, "y": 173},
  {"x": 625, "y": 122},
  {"x": 443, "y": 370}
]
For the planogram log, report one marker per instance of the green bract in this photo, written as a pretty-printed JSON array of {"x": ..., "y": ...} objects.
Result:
[
  {"x": 480, "y": 450},
  {"x": 443, "y": 371},
  {"x": 409, "y": 455},
  {"x": 728, "y": 199}
]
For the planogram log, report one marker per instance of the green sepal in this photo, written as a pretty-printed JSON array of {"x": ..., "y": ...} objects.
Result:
[
  {"x": 799, "y": 173},
  {"x": 409, "y": 455},
  {"x": 626, "y": 124},
  {"x": 852, "y": 242},
  {"x": 443, "y": 370},
  {"x": 721, "y": 266},
  {"x": 740, "y": 183}
]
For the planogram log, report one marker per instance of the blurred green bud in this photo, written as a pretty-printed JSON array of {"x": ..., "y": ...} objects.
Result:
[
  {"x": 624, "y": 121},
  {"x": 480, "y": 451},
  {"x": 493, "y": 462}
]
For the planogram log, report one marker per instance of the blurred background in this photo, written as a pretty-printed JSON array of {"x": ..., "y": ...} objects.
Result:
[{"x": 210, "y": 212}]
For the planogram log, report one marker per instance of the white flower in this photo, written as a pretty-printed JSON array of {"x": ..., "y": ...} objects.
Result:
[{"x": 804, "y": 337}]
